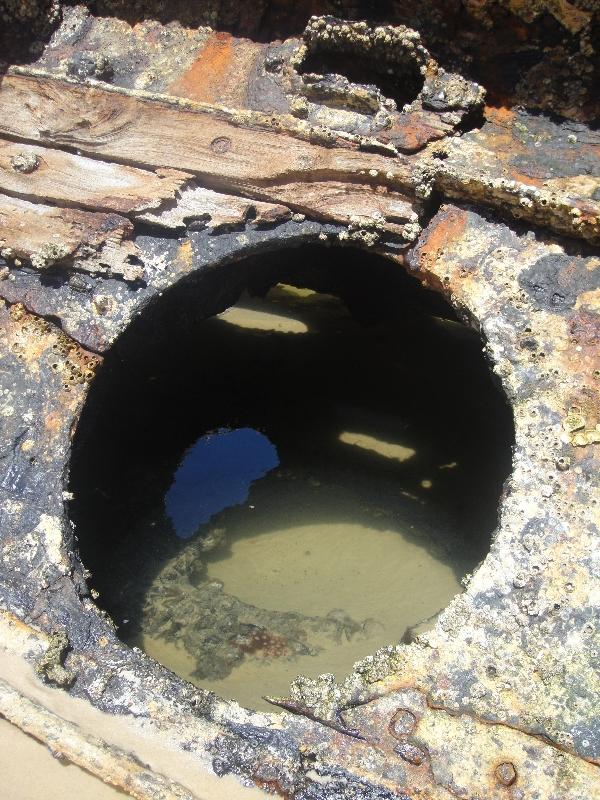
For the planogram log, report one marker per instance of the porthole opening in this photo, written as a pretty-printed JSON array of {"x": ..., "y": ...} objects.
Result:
[{"x": 286, "y": 463}]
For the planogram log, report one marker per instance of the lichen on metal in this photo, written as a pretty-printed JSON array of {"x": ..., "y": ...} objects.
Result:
[{"x": 496, "y": 208}]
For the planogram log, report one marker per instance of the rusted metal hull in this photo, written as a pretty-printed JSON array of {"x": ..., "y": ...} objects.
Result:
[{"x": 500, "y": 699}]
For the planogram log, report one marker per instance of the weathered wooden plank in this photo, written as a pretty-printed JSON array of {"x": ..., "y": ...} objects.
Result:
[
  {"x": 215, "y": 209},
  {"x": 47, "y": 174},
  {"x": 340, "y": 202},
  {"x": 228, "y": 153},
  {"x": 46, "y": 235},
  {"x": 343, "y": 202}
]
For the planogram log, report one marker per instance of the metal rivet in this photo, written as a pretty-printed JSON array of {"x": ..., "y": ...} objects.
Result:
[
  {"x": 410, "y": 753},
  {"x": 402, "y": 723},
  {"x": 221, "y": 144},
  {"x": 506, "y": 773}
]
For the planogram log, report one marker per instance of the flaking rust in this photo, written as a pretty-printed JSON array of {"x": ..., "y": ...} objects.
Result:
[{"x": 494, "y": 206}]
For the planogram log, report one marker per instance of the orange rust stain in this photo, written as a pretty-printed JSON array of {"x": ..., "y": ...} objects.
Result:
[
  {"x": 500, "y": 115},
  {"x": 53, "y": 422},
  {"x": 221, "y": 71},
  {"x": 450, "y": 226},
  {"x": 523, "y": 177},
  {"x": 505, "y": 144},
  {"x": 411, "y": 132},
  {"x": 185, "y": 254},
  {"x": 204, "y": 80}
]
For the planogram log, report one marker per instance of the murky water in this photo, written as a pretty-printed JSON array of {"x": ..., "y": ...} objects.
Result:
[{"x": 311, "y": 490}]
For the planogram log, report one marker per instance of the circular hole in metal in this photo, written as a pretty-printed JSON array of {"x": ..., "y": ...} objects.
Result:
[{"x": 286, "y": 463}]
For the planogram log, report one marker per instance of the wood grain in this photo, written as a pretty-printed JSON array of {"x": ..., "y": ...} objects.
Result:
[
  {"x": 216, "y": 210},
  {"x": 46, "y": 236},
  {"x": 68, "y": 179},
  {"x": 235, "y": 158},
  {"x": 341, "y": 202}
]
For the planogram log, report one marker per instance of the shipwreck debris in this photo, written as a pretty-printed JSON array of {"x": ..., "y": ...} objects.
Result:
[{"x": 226, "y": 134}]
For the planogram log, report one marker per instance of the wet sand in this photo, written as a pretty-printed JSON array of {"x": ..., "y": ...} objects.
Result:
[
  {"x": 314, "y": 569},
  {"x": 28, "y": 771}
]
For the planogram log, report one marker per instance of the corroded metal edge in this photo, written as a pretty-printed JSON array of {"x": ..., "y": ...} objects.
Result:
[
  {"x": 499, "y": 700},
  {"x": 496, "y": 673}
]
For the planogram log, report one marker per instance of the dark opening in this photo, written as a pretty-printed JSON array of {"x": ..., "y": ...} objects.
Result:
[
  {"x": 401, "y": 82},
  {"x": 287, "y": 486}
]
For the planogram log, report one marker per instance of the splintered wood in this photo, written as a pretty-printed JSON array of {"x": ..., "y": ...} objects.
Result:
[
  {"x": 166, "y": 163},
  {"x": 47, "y": 235},
  {"x": 71, "y": 153}
]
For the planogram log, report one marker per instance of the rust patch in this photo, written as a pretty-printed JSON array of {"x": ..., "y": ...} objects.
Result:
[
  {"x": 204, "y": 78},
  {"x": 584, "y": 327},
  {"x": 185, "y": 254},
  {"x": 499, "y": 115},
  {"x": 411, "y": 132},
  {"x": 53, "y": 422},
  {"x": 450, "y": 226},
  {"x": 220, "y": 73}
]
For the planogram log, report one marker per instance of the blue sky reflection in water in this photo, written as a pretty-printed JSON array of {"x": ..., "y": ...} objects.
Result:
[{"x": 216, "y": 472}]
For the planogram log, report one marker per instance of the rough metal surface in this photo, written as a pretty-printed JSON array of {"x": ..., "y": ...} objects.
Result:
[
  {"x": 538, "y": 53},
  {"x": 500, "y": 699},
  {"x": 531, "y": 168}
]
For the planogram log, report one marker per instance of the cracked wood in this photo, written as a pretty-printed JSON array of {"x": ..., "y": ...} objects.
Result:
[
  {"x": 47, "y": 235},
  {"x": 153, "y": 133},
  {"x": 68, "y": 179}
]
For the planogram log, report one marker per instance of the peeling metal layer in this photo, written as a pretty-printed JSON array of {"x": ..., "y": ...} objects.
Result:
[
  {"x": 536, "y": 53},
  {"x": 216, "y": 67}
]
